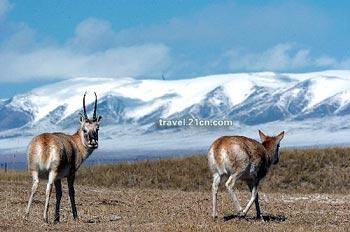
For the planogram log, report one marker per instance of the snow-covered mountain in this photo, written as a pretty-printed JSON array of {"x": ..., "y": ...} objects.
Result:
[{"x": 132, "y": 107}]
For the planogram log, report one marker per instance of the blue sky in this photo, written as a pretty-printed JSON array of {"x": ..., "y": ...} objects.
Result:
[{"x": 45, "y": 41}]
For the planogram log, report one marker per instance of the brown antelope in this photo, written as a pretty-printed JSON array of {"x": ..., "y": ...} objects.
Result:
[
  {"x": 54, "y": 156},
  {"x": 239, "y": 157}
]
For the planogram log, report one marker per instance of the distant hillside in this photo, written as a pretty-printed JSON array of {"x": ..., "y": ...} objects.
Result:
[{"x": 313, "y": 104}]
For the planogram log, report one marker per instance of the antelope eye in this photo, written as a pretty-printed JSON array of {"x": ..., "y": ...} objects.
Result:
[{"x": 85, "y": 131}]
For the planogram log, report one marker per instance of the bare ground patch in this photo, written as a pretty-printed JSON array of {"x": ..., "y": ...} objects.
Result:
[{"x": 134, "y": 209}]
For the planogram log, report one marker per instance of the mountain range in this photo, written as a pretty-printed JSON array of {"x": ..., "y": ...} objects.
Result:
[{"x": 317, "y": 103}]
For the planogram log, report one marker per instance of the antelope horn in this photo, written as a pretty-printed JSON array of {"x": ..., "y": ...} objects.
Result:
[
  {"x": 94, "y": 116},
  {"x": 85, "y": 115}
]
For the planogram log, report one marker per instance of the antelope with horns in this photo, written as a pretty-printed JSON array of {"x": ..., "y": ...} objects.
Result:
[
  {"x": 239, "y": 157},
  {"x": 54, "y": 156}
]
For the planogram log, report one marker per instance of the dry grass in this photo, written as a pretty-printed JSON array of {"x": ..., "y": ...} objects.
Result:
[
  {"x": 311, "y": 171},
  {"x": 299, "y": 170},
  {"x": 306, "y": 191}
]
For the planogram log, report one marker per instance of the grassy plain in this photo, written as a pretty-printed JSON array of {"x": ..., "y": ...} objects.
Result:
[{"x": 307, "y": 191}]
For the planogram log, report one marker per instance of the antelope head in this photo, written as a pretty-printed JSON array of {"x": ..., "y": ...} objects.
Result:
[
  {"x": 89, "y": 127},
  {"x": 272, "y": 144}
]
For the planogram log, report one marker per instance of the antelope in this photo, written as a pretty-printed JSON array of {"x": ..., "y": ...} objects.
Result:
[
  {"x": 239, "y": 157},
  {"x": 54, "y": 156}
]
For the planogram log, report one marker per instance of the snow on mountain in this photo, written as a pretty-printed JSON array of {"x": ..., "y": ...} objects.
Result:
[
  {"x": 41, "y": 101},
  {"x": 324, "y": 87},
  {"x": 249, "y": 99}
]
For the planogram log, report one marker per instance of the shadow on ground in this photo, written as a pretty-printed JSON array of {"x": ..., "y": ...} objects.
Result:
[{"x": 266, "y": 218}]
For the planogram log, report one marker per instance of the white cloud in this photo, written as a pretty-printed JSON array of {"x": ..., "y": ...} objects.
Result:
[
  {"x": 326, "y": 61},
  {"x": 91, "y": 52},
  {"x": 195, "y": 40},
  {"x": 147, "y": 59},
  {"x": 91, "y": 35},
  {"x": 216, "y": 28},
  {"x": 20, "y": 38},
  {"x": 282, "y": 57}
]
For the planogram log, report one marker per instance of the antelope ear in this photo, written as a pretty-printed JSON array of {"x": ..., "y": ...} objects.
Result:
[
  {"x": 99, "y": 119},
  {"x": 280, "y": 136},
  {"x": 81, "y": 118},
  {"x": 262, "y": 136}
]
